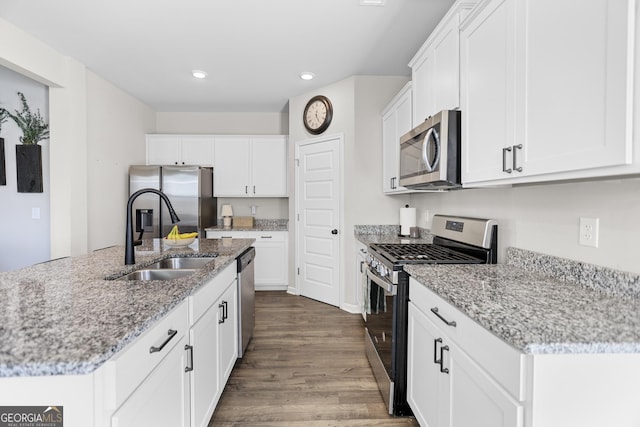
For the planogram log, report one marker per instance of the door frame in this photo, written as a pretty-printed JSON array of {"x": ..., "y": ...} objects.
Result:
[{"x": 297, "y": 245}]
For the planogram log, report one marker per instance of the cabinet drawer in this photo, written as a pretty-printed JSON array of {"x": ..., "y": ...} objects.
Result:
[
  {"x": 502, "y": 362},
  {"x": 208, "y": 293},
  {"x": 127, "y": 370}
]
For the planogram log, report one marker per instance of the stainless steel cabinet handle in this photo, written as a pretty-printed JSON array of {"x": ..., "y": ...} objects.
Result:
[
  {"x": 266, "y": 237},
  {"x": 516, "y": 147},
  {"x": 222, "y": 307},
  {"x": 442, "y": 368},
  {"x": 434, "y": 310},
  {"x": 189, "y": 367},
  {"x": 254, "y": 189},
  {"x": 172, "y": 333},
  {"x": 361, "y": 264},
  {"x": 504, "y": 160},
  {"x": 225, "y": 313},
  {"x": 435, "y": 351},
  {"x": 246, "y": 189}
]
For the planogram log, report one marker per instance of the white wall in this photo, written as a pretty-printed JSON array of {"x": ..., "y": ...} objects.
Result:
[
  {"x": 116, "y": 128},
  {"x": 223, "y": 123},
  {"x": 544, "y": 218},
  {"x": 357, "y": 105},
  {"x": 25, "y": 240}
]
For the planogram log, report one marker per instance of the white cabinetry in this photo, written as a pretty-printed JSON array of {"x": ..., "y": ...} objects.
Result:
[
  {"x": 396, "y": 121},
  {"x": 435, "y": 69},
  {"x": 180, "y": 149},
  {"x": 458, "y": 373},
  {"x": 250, "y": 166},
  {"x": 213, "y": 345},
  {"x": 272, "y": 256},
  {"x": 545, "y": 88},
  {"x": 146, "y": 383},
  {"x": 361, "y": 284}
]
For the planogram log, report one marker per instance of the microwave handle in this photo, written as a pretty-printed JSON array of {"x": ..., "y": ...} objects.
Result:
[{"x": 425, "y": 142}]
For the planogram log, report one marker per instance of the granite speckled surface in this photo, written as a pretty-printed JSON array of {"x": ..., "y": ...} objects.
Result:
[
  {"x": 258, "y": 225},
  {"x": 533, "y": 311},
  {"x": 64, "y": 317},
  {"x": 387, "y": 234}
]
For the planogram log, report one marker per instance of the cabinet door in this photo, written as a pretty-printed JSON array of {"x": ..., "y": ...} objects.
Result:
[
  {"x": 396, "y": 121},
  {"x": 487, "y": 91},
  {"x": 197, "y": 150},
  {"x": 162, "y": 399},
  {"x": 422, "y": 75},
  {"x": 574, "y": 75},
  {"x": 360, "y": 257},
  {"x": 427, "y": 387},
  {"x": 270, "y": 267},
  {"x": 231, "y": 167},
  {"x": 269, "y": 167},
  {"x": 163, "y": 149},
  {"x": 477, "y": 400},
  {"x": 445, "y": 84},
  {"x": 205, "y": 384},
  {"x": 228, "y": 332}
]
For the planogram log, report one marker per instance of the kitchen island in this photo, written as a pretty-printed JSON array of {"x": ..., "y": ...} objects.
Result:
[{"x": 62, "y": 320}]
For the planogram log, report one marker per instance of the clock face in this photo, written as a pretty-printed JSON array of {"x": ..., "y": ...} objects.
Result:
[{"x": 317, "y": 114}]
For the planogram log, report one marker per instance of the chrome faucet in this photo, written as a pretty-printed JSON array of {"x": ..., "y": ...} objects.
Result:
[{"x": 129, "y": 255}]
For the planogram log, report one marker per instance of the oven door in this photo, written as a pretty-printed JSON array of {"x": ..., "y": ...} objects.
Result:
[{"x": 381, "y": 319}]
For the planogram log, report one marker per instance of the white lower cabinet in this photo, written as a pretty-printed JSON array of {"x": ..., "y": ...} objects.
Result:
[
  {"x": 213, "y": 347},
  {"x": 272, "y": 256},
  {"x": 174, "y": 374},
  {"x": 448, "y": 382},
  {"x": 361, "y": 283},
  {"x": 161, "y": 399}
]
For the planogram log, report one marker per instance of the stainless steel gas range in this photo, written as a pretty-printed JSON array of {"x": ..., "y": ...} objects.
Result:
[{"x": 457, "y": 240}]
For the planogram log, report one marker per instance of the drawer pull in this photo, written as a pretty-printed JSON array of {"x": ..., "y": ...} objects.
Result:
[
  {"x": 442, "y": 368},
  {"x": 172, "y": 333},
  {"x": 222, "y": 319},
  {"x": 434, "y": 310},
  {"x": 189, "y": 367},
  {"x": 266, "y": 237},
  {"x": 504, "y": 160}
]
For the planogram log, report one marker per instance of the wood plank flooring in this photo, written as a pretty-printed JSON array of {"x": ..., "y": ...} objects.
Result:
[{"x": 305, "y": 366}]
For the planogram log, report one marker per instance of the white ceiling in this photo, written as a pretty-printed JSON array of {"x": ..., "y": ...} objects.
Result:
[{"x": 253, "y": 50}]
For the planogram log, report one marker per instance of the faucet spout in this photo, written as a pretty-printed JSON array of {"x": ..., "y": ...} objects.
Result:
[{"x": 129, "y": 254}]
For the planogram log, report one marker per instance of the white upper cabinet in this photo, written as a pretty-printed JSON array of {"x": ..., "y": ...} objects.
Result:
[
  {"x": 396, "y": 121},
  {"x": 546, "y": 88},
  {"x": 435, "y": 69},
  {"x": 180, "y": 150},
  {"x": 250, "y": 166}
]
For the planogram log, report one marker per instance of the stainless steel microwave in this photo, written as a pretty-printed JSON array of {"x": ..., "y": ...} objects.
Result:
[{"x": 430, "y": 153}]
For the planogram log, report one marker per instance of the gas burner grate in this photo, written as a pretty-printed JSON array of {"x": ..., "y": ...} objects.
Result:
[{"x": 424, "y": 253}]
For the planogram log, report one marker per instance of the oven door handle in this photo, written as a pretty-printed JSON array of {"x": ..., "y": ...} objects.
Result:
[{"x": 390, "y": 288}]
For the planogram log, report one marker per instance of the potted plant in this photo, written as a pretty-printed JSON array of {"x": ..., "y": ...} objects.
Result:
[{"x": 29, "y": 153}]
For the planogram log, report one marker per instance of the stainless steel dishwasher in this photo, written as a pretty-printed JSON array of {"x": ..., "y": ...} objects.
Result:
[{"x": 246, "y": 295}]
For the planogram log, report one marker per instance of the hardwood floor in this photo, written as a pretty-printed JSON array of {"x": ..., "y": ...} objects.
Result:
[{"x": 305, "y": 366}]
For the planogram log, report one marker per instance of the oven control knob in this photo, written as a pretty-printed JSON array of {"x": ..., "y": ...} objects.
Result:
[
  {"x": 374, "y": 263},
  {"x": 382, "y": 270}
]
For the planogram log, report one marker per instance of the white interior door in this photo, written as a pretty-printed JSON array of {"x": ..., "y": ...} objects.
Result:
[{"x": 318, "y": 198}]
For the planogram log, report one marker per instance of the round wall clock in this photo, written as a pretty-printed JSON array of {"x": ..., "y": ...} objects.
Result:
[{"x": 317, "y": 114}]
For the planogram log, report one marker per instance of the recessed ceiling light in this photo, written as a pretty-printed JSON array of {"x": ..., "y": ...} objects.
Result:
[
  {"x": 307, "y": 75},
  {"x": 371, "y": 2},
  {"x": 199, "y": 74}
]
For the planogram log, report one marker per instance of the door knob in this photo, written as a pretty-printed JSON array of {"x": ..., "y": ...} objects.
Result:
[{"x": 334, "y": 231}]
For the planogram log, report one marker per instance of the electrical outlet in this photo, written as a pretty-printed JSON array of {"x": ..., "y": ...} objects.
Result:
[{"x": 589, "y": 229}]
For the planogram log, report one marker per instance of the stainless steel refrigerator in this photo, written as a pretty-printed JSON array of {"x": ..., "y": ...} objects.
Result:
[{"x": 190, "y": 190}]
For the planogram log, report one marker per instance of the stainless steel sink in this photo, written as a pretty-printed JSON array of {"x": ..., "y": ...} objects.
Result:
[
  {"x": 158, "y": 274},
  {"x": 180, "y": 263}
]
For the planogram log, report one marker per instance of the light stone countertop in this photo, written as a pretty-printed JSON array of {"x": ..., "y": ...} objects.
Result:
[
  {"x": 259, "y": 225},
  {"x": 537, "y": 303},
  {"x": 534, "y": 312},
  {"x": 64, "y": 317}
]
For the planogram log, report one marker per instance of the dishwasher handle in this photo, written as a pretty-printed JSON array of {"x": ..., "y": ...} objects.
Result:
[{"x": 246, "y": 258}]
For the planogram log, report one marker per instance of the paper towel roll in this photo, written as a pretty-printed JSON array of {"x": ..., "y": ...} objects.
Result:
[{"x": 407, "y": 220}]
